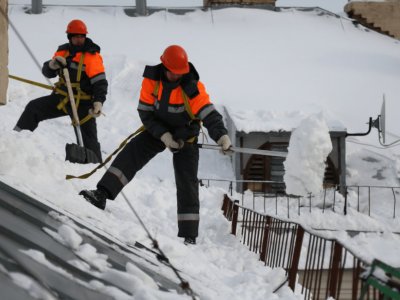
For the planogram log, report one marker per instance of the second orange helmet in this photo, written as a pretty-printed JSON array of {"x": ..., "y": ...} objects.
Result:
[
  {"x": 175, "y": 59},
  {"x": 76, "y": 27}
]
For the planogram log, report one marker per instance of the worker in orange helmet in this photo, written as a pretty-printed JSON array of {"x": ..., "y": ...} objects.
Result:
[
  {"x": 87, "y": 74},
  {"x": 173, "y": 102}
]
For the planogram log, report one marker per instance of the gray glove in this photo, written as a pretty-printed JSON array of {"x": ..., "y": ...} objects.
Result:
[
  {"x": 57, "y": 62},
  {"x": 225, "y": 143},
  {"x": 170, "y": 143},
  {"x": 96, "y": 110}
]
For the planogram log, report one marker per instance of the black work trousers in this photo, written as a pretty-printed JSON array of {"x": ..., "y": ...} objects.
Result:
[
  {"x": 136, "y": 154},
  {"x": 45, "y": 108}
]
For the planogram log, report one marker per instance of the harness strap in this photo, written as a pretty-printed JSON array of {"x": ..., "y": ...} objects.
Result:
[
  {"x": 78, "y": 76},
  {"x": 81, "y": 122},
  {"x": 80, "y": 95},
  {"x": 184, "y": 96},
  {"x": 189, "y": 111},
  {"x": 78, "y": 79},
  {"x": 122, "y": 145},
  {"x": 85, "y": 119},
  {"x": 75, "y": 85},
  {"x": 46, "y": 86},
  {"x": 156, "y": 89},
  {"x": 187, "y": 108},
  {"x": 63, "y": 101}
]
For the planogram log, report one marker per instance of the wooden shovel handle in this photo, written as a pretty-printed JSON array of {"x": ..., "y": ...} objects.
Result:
[{"x": 73, "y": 106}]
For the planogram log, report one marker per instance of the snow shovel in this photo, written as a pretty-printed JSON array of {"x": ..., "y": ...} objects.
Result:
[
  {"x": 77, "y": 153},
  {"x": 246, "y": 150}
]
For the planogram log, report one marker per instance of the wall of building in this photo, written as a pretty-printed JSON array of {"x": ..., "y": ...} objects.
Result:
[
  {"x": 381, "y": 16},
  {"x": 335, "y": 172},
  {"x": 3, "y": 51}
]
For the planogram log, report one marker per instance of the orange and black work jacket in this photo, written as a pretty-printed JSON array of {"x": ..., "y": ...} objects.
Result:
[
  {"x": 92, "y": 79},
  {"x": 164, "y": 110}
]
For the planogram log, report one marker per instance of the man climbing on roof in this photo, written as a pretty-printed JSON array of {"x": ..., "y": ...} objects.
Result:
[
  {"x": 172, "y": 104},
  {"x": 85, "y": 65}
]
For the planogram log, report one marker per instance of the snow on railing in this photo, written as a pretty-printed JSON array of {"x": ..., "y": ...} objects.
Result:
[
  {"x": 323, "y": 267},
  {"x": 378, "y": 202}
]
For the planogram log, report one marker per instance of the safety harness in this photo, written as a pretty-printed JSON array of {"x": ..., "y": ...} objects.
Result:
[
  {"x": 76, "y": 86},
  {"x": 187, "y": 108},
  {"x": 80, "y": 95},
  {"x": 185, "y": 100}
]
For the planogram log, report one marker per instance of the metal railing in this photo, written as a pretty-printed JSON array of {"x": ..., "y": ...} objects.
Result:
[
  {"x": 361, "y": 198},
  {"x": 369, "y": 193},
  {"x": 323, "y": 267}
]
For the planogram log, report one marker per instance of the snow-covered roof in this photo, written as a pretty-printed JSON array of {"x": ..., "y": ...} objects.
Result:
[{"x": 276, "y": 67}]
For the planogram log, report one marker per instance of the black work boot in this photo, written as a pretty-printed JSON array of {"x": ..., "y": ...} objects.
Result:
[
  {"x": 190, "y": 241},
  {"x": 96, "y": 197}
]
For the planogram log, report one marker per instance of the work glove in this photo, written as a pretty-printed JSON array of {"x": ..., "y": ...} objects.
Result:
[
  {"x": 96, "y": 110},
  {"x": 170, "y": 143},
  {"x": 225, "y": 143},
  {"x": 57, "y": 62}
]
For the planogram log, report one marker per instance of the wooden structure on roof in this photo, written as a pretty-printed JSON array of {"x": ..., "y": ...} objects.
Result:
[
  {"x": 264, "y": 174},
  {"x": 3, "y": 51},
  {"x": 380, "y": 16},
  {"x": 235, "y": 2}
]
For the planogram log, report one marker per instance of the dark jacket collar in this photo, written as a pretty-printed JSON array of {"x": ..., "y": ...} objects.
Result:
[
  {"x": 188, "y": 82},
  {"x": 89, "y": 46}
]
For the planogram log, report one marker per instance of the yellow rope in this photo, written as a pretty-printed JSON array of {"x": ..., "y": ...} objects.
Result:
[
  {"x": 65, "y": 100},
  {"x": 45, "y": 86}
]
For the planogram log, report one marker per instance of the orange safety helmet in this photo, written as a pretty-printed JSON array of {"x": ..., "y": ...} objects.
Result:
[
  {"x": 175, "y": 59},
  {"x": 76, "y": 27}
]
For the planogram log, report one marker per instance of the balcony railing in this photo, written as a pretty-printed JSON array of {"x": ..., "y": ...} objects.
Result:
[
  {"x": 323, "y": 267},
  {"x": 374, "y": 201}
]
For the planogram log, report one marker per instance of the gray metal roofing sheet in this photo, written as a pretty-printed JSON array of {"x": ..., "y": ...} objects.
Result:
[{"x": 22, "y": 220}]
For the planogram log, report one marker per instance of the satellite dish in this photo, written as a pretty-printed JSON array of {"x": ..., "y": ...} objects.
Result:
[
  {"x": 380, "y": 124},
  {"x": 382, "y": 121}
]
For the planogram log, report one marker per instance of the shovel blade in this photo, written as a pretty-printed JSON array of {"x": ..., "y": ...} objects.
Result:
[{"x": 80, "y": 155}]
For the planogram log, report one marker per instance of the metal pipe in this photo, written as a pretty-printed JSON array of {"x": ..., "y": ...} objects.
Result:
[
  {"x": 245, "y": 150},
  {"x": 394, "y": 204},
  {"x": 37, "y": 7},
  {"x": 141, "y": 7},
  {"x": 370, "y": 124},
  {"x": 235, "y": 216},
  {"x": 264, "y": 247},
  {"x": 296, "y": 257}
]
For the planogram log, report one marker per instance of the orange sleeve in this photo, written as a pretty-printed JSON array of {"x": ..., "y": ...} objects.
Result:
[
  {"x": 94, "y": 64},
  {"x": 60, "y": 53},
  {"x": 201, "y": 100},
  {"x": 146, "y": 92}
]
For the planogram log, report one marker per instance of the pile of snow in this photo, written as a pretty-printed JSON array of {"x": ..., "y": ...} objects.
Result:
[{"x": 309, "y": 147}]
